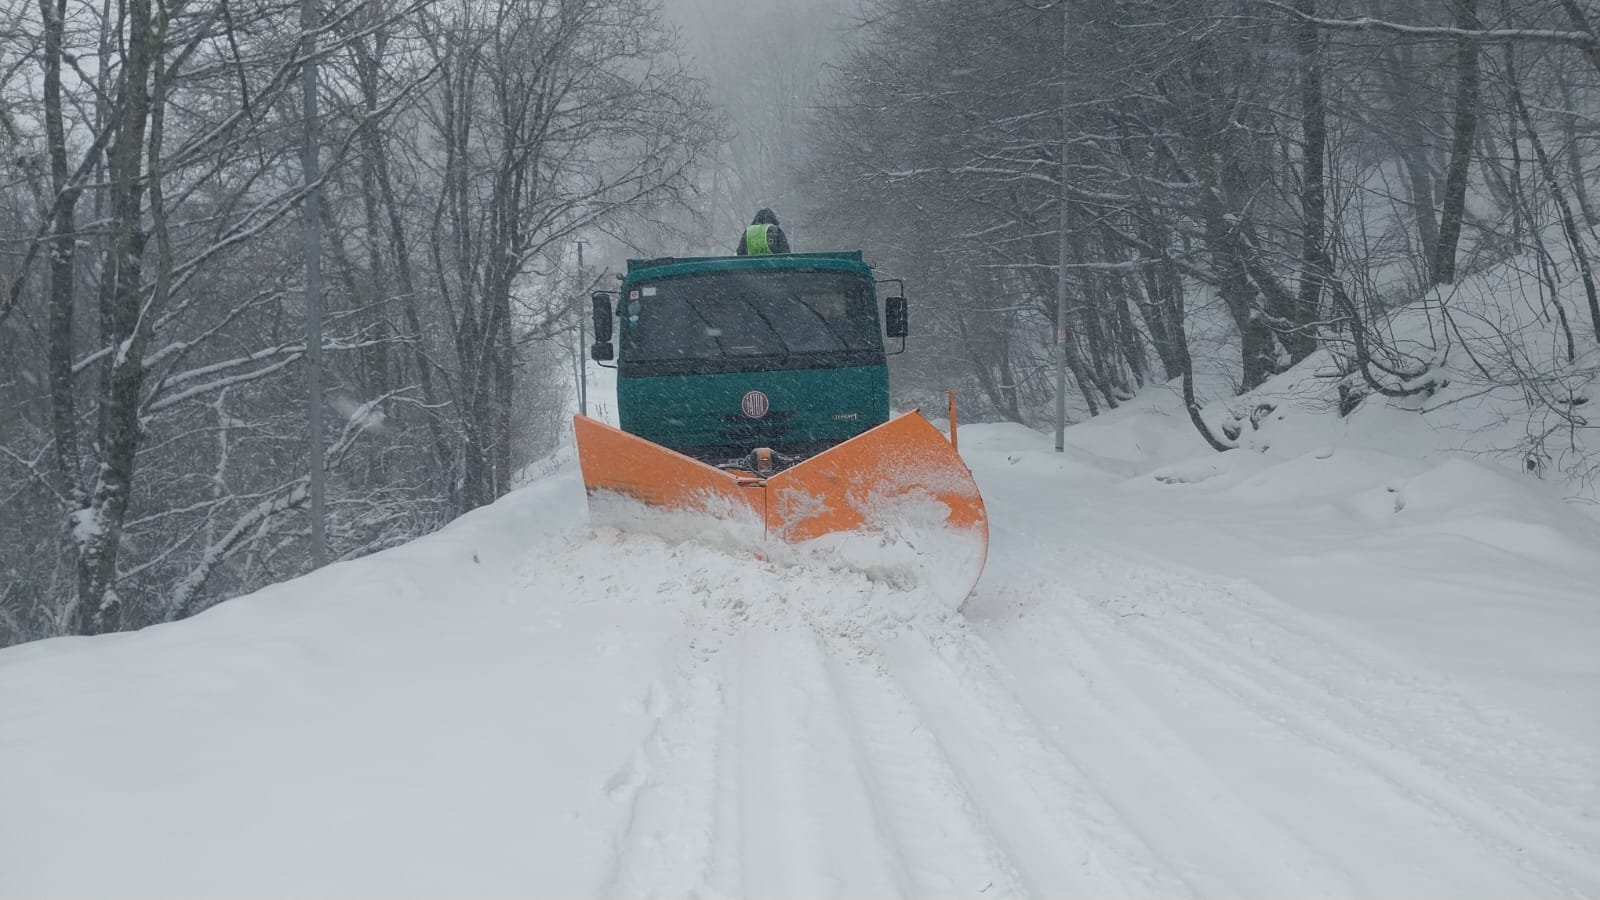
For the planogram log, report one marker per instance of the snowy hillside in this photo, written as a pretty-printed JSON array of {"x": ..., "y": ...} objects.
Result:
[
  {"x": 1500, "y": 369},
  {"x": 1333, "y": 673}
]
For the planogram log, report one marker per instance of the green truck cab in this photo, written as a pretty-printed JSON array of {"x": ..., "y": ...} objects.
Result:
[{"x": 718, "y": 356}]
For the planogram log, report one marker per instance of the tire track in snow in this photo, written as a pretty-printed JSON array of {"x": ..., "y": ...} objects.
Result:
[
  {"x": 806, "y": 826},
  {"x": 726, "y": 873},
  {"x": 665, "y": 787},
  {"x": 1276, "y": 695},
  {"x": 1544, "y": 781},
  {"x": 1056, "y": 825},
  {"x": 816, "y": 778},
  {"x": 943, "y": 846},
  {"x": 825, "y": 757},
  {"x": 668, "y": 788},
  {"x": 748, "y": 782},
  {"x": 1156, "y": 782},
  {"x": 1533, "y": 779}
]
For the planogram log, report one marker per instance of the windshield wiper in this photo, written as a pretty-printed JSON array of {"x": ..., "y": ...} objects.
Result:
[
  {"x": 838, "y": 340},
  {"x": 712, "y": 331},
  {"x": 772, "y": 328}
]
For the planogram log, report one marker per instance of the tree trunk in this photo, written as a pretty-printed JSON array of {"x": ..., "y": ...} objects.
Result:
[
  {"x": 1191, "y": 403},
  {"x": 1313, "y": 192},
  {"x": 504, "y": 383},
  {"x": 1010, "y": 406},
  {"x": 1128, "y": 334},
  {"x": 1574, "y": 154},
  {"x": 1157, "y": 298},
  {"x": 122, "y": 327},
  {"x": 1547, "y": 168},
  {"x": 63, "y": 253},
  {"x": 1466, "y": 123},
  {"x": 1257, "y": 341},
  {"x": 1091, "y": 327},
  {"x": 1412, "y": 148},
  {"x": 377, "y": 363},
  {"x": 443, "y": 457}
]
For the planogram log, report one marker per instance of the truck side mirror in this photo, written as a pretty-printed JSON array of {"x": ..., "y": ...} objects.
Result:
[
  {"x": 896, "y": 321},
  {"x": 602, "y": 318},
  {"x": 602, "y": 351}
]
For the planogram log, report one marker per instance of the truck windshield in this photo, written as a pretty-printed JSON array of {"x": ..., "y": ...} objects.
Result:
[{"x": 757, "y": 314}]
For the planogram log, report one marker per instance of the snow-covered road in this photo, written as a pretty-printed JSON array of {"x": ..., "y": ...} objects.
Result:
[
  {"x": 1094, "y": 725},
  {"x": 1205, "y": 682}
]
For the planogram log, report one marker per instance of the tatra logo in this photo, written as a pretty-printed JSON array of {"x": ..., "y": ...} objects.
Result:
[{"x": 754, "y": 405}]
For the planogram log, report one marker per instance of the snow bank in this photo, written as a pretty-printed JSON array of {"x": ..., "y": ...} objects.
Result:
[
  {"x": 337, "y": 735},
  {"x": 1500, "y": 388}
]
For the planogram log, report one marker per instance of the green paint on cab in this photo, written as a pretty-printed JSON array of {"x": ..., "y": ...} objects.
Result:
[{"x": 721, "y": 355}]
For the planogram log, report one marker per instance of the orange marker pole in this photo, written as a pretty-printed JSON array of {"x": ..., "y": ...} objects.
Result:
[{"x": 952, "y": 395}]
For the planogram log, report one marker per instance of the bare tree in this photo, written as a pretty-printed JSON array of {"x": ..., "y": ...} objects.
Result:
[
  {"x": 148, "y": 336},
  {"x": 552, "y": 117},
  {"x": 1230, "y": 156}
]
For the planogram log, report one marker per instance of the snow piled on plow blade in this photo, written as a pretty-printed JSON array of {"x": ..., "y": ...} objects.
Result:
[{"x": 895, "y": 503}]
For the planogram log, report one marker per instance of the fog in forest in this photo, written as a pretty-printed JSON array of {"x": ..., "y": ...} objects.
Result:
[{"x": 766, "y": 66}]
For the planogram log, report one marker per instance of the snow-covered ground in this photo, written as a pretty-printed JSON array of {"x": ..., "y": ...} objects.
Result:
[{"x": 1333, "y": 673}]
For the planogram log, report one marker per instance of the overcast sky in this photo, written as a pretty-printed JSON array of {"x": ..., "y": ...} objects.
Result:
[{"x": 710, "y": 26}]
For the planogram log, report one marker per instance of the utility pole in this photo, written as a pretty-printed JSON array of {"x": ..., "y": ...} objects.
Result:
[
  {"x": 1061, "y": 248},
  {"x": 311, "y": 209},
  {"x": 583, "y": 338}
]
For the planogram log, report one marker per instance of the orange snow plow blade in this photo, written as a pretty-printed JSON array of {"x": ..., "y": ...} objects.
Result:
[
  {"x": 623, "y": 473},
  {"x": 896, "y": 502}
]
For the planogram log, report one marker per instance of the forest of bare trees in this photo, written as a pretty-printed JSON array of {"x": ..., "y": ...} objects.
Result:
[
  {"x": 1302, "y": 166},
  {"x": 152, "y": 406},
  {"x": 1287, "y": 170}
]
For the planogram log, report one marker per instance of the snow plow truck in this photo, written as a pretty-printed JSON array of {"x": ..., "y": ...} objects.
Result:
[{"x": 753, "y": 399}]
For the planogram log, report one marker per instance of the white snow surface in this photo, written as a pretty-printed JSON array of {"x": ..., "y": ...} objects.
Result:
[{"x": 1321, "y": 673}]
